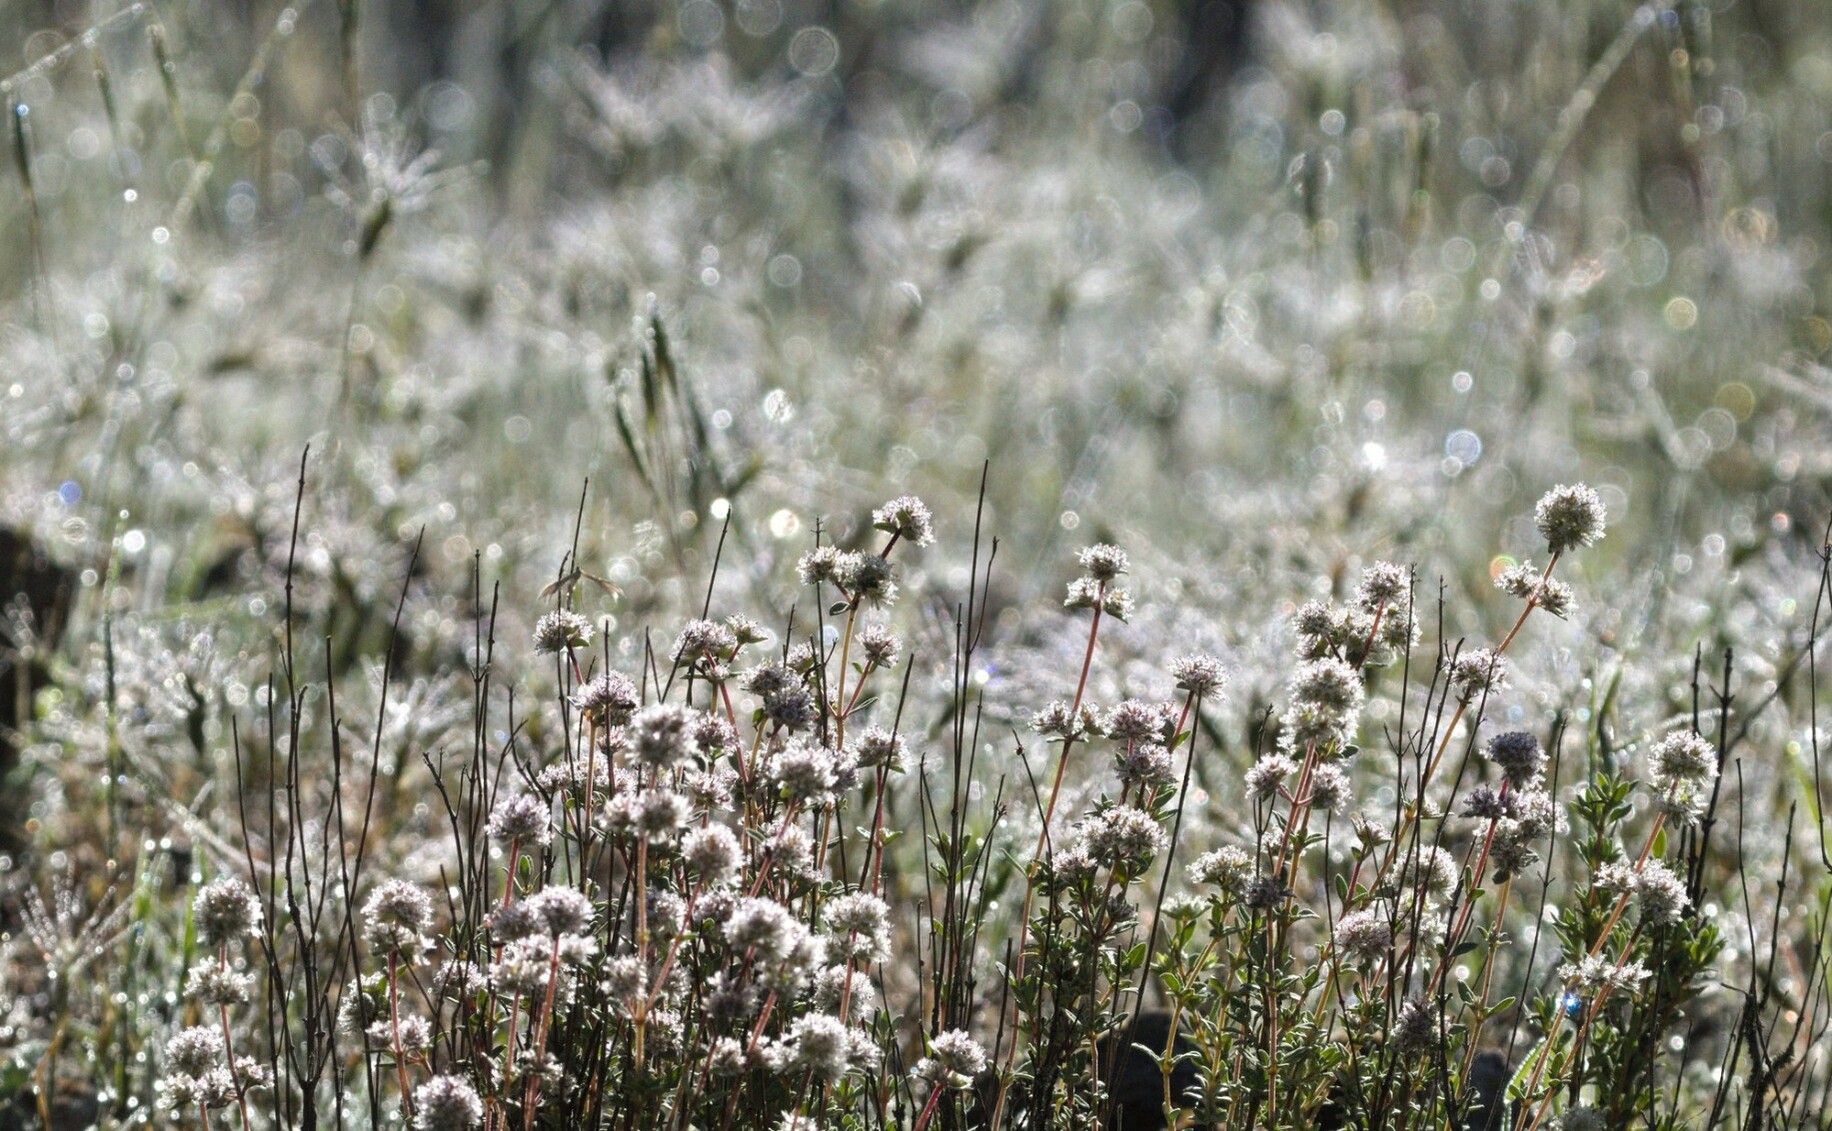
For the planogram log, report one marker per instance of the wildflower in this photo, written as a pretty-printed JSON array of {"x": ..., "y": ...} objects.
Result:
[
  {"x": 1198, "y": 673},
  {"x": 1477, "y": 672},
  {"x": 792, "y": 710},
  {"x": 879, "y": 646},
  {"x": 906, "y": 518},
  {"x": 726, "y": 1057},
  {"x": 1060, "y": 720},
  {"x": 878, "y": 747},
  {"x": 610, "y": 698},
  {"x": 1144, "y": 763},
  {"x": 859, "y": 926},
  {"x": 1517, "y": 755},
  {"x": 792, "y": 849},
  {"x": 519, "y": 818},
  {"x": 762, "y": 925},
  {"x": 1364, "y": 935},
  {"x": 1086, "y": 593},
  {"x": 704, "y": 639},
  {"x": 1223, "y": 867},
  {"x": 1594, "y": 972},
  {"x": 662, "y": 736},
  {"x": 1486, "y": 803},
  {"x": 446, "y": 1103},
  {"x": 212, "y": 983},
  {"x": 1681, "y": 768},
  {"x": 212, "y": 1089},
  {"x": 745, "y": 630},
  {"x": 1661, "y": 893},
  {"x": 1430, "y": 870},
  {"x": 560, "y": 910},
  {"x": 770, "y": 679},
  {"x": 458, "y": 979},
  {"x": 1569, "y": 516},
  {"x": 819, "y": 564},
  {"x": 954, "y": 1060},
  {"x": 1527, "y": 583},
  {"x": 861, "y": 996},
  {"x": 1329, "y": 788},
  {"x": 713, "y": 854},
  {"x": 804, "y": 773},
  {"x": 514, "y": 921},
  {"x": 1326, "y": 700},
  {"x": 1263, "y": 893},
  {"x": 1383, "y": 585},
  {"x": 523, "y": 966},
  {"x": 654, "y": 814},
  {"x": 1122, "y": 838},
  {"x": 195, "y": 1051},
  {"x": 1135, "y": 720},
  {"x": 560, "y": 631},
  {"x": 626, "y": 979},
  {"x": 1415, "y": 1029},
  {"x": 711, "y": 789},
  {"x": 1331, "y": 685},
  {"x": 1320, "y": 627},
  {"x": 712, "y": 733},
  {"x": 1370, "y": 832},
  {"x": 1265, "y": 776},
  {"x": 1583, "y": 1117},
  {"x": 1102, "y": 561},
  {"x": 395, "y": 919},
  {"x": 225, "y": 909},
  {"x": 867, "y": 577},
  {"x": 1511, "y": 853},
  {"x": 1536, "y": 814},
  {"x": 411, "y": 1033},
  {"x": 817, "y": 1043}
]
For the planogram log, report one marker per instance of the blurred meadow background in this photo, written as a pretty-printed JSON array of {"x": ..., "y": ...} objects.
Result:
[{"x": 342, "y": 329}]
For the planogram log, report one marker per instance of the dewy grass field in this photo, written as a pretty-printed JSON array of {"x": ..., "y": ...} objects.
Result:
[{"x": 793, "y": 564}]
